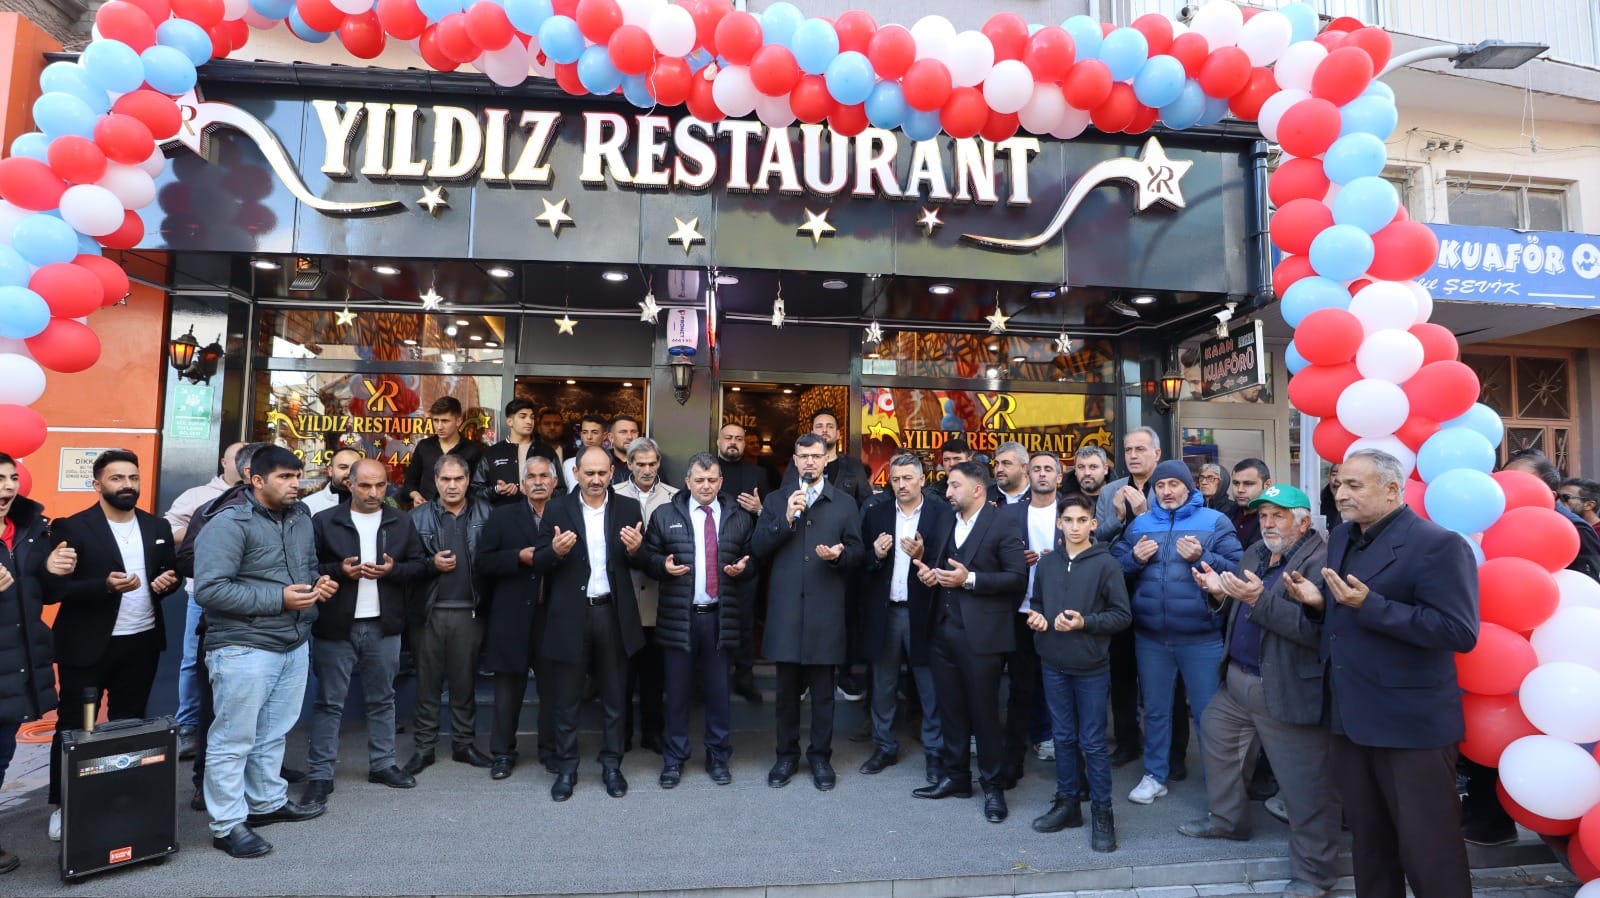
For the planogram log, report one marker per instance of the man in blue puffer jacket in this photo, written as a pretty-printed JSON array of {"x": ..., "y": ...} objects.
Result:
[{"x": 1175, "y": 630}]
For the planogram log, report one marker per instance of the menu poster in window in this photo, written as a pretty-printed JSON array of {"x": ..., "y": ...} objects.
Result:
[{"x": 607, "y": 399}]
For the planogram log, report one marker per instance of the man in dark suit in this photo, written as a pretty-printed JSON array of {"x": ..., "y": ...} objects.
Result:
[
  {"x": 898, "y": 609},
  {"x": 745, "y": 484},
  {"x": 811, "y": 541},
  {"x": 1398, "y": 601},
  {"x": 109, "y": 633},
  {"x": 593, "y": 620},
  {"x": 976, "y": 594}
]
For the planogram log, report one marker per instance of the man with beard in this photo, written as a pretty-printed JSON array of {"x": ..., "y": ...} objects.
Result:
[
  {"x": 337, "y": 492},
  {"x": 591, "y": 434},
  {"x": 1250, "y": 478},
  {"x": 109, "y": 634},
  {"x": 646, "y": 676},
  {"x": 621, "y": 433},
  {"x": 1011, "y": 477},
  {"x": 745, "y": 484},
  {"x": 554, "y": 441},
  {"x": 496, "y": 476},
  {"x": 1092, "y": 466}
]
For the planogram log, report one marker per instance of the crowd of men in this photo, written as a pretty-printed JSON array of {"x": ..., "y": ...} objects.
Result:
[{"x": 1032, "y": 608}]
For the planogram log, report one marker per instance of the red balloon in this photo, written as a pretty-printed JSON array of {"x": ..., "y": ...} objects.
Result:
[
  {"x": 701, "y": 103},
  {"x": 1192, "y": 50},
  {"x": 221, "y": 40},
  {"x": 205, "y": 13},
  {"x": 848, "y": 121},
  {"x": 1524, "y": 490},
  {"x": 598, "y": 18},
  {"x": 1225, "y": 73},
  {"x": 113, "y": 280},
  {"x": 1117, "y": 110},
  {"x": 238, "y": 33},
  {"x": 926, "y": 85},
  {"x": 1315, "y": 390},
  {"x": 1290, "y": 268},
  {"x": 1589, "y": 829},
  {"x": 321, "y": 15},
  {"x": 707, "y": 14},
  {"x": 70, "y": 291},
  {"x": 1373, "y": 41},
  {"x": 433, "y": 55},
  {"x": 1087, "y": 85},
  {"x": 1298, "y": 179},
  {"x": 1049, "y": 54},
  {"x": 1329, "y": 337},
  {"x": 1540, "y": 535},
  {"x": 1342, "y": 75},
  {"x": 1544, "y": 826},
  {"x": 669, "y": 80},
  {"x": 1157, "y": 31},
  {"x": 158, "y": 10},
  {"x": 124, "y": 138},
  {"x": 158, "y": 111},
  {"x": 24, "y": 479},
  {"x": 1443, "y": 390},
  {"x": 30, "y": 184},
  {"x": 1246, "y": 104},
  {"x": 1416, "y": 430},
  {"x": 363, "y": 35},
  {"x": 123, "y": 21},
  {"x": 891, "y": 51},
  {"x": 1309, "y": 128},
  {"x": 452, "y": 39},
  {"x": 1297, "y": 223},
  {"x": 401, "y": 19},
  {"x": 1438, "y": 343},
  {"x": 1498, "y": 663},
  {"x": 1009, "y": 35},
  {"x": 856, "y": 29},
  {"x": 1001, "y": 126},
  {"x": 65, "y": 346},
  {"x": 810, "y": 100},
  {"x": 1403, "y": 251},
  {"x": 630, "y": 49},
  {"x": 1345, "y": 24},
  {"x": 773, "y": 70},
  {"x": 1143, "y": 118},
  {"x": 126, "y": 236},
  {"x": 1331, "y": 39},
  {"x": 1493, "y": 722},
  {"x": 1330, "y": 439},
  {"x": 965, "y": 113},
  {"x": 22, "y": 430},
  {"x": 738, "y": 36},
  {"x": 1516, "y": 593},
  {"x": 489, "y": 28},
  {"x": 1416, "y": 496}
]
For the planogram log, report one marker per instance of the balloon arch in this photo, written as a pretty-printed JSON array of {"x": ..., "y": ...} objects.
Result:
[{"x": 1364, "y": 359}]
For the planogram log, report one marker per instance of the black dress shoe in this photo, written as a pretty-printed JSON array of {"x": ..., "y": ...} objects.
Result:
[
  {"x": 242, "y": 842},
  {"x": 616, "y": 783},
  {"x": 650, "y": 742},
  {"x": 551, "y": 765},
  {"x": 822, "y": 775},
  {"x": 671, "y": 776},
  {"x": 945, "y": 788},
  {"x": 745, "y": 688},
  {"x": 718, "y": 771},
  {"x": 1123, "y": 757},
  {"x": 316, "y": 792},
  {"x": 931, "y": 768},
  {"x": 288, "y": 812},
  {"x": 197, "y": 801},
  {"x": 781, "y": 772},
  {"x": 561, "y": 789},
  {"x": 469, "y": 754},
  {"x": 419, "y": 762},
  {"x": 501, "y": 768},
  {"x": 393, "y": 777},
  {"x": 1206, "y": 828},
  {"x": 1064, "y": 813},
  {"x": 994, "y": 805},
  {"x": 1177, "y": 771},
  {"x": 291, "y": 775},
  {"x": 1490, "y": 832},
  {"x": 8, "y": 861},
  {"x": 879, "y": 762}
]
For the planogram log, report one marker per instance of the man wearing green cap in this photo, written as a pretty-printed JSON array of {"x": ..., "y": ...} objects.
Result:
[{"x": 1272, "y": 689}]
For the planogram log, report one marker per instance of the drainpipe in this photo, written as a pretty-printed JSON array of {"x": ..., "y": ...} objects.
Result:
[{"x": 1259, "y": 290}]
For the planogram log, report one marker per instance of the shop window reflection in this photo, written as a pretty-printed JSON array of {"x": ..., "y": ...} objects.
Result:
[
  {"x": 381, "y": 336},
  {"x": 989, "y": 356}
]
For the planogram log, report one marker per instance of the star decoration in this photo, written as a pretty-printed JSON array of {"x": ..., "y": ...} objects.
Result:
[
  {"x": 929, "y": 222},
  {"x": 554, "y": 215},
  {"x": 1064, "y": 344},
  {"x": 1160, "y": 181},
  {"x": 874, "y": 333},
  {"x": 433, "y": 199},
  {"x": 565, "y": 324},
  {"x": 997, "y": 321},
  {"x": 344, "y": 317},
  {"x": 431, "y": 300},
  {"x": 648, "y": 310},
  {"x": 816, "y": 225},
  {"x": 686, "y": 234}
]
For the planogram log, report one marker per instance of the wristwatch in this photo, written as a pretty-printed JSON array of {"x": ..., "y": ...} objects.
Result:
[{"x": 972, "y": 578}]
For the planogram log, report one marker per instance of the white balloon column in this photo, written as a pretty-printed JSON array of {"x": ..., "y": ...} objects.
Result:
[{"x": 1364, "y": 359}]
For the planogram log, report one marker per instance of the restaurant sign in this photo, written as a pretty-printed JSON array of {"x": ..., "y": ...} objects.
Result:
[{"x": 1233, "y": 363}]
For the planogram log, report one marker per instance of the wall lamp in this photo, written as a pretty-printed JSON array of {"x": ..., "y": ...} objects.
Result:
[
  {"x": 682, "y": 377},
  {"x": 192, "y": 362}
]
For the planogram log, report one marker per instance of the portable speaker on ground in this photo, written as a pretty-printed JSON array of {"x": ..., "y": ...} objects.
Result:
[{"x": 119, "y": 794}]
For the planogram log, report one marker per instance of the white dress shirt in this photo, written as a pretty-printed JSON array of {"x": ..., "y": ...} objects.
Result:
[
  {"x": 698, "y": 519},
  {"x": 905, "y": 527},
  {"x": 964, "y": 527},
  {"x": 1041, "y": 539},
  {"x": 594, "y": 532}
]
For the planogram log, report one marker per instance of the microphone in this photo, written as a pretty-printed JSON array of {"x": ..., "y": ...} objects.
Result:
[{"x": 805, "y": 481}]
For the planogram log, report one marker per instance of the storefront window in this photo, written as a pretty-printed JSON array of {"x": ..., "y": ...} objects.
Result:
[
  {"x": 1532, "y": 392},
  {"x": 989, "y": 356},
  {"x": 380, "y": 336}
]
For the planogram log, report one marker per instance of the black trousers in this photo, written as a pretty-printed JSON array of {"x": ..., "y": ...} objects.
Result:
[
  {"x": 600, "y": 652},
  {"x": 1403, "y": 811},
  {"x": 121, "y": 678},
  {"x": 647, "y": 680},
  {"x": 968, "y": 688},
  {"x": 793, "y": 680},
  {"x": 509, "y": 689},
  {"x": 707, "y": 654},
  {"x": 1022, "y": 694},
  {"x": 744, "y": 657}
]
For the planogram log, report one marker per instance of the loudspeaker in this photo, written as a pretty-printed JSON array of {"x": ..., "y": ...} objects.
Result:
[{"x": 119, "y": 795}]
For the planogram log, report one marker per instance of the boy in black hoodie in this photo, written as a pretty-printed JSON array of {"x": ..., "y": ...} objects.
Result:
[{"x": 1079, "y": 601}]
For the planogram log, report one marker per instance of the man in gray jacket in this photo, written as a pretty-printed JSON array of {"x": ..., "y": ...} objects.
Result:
[{"x": 256, "y": 578}]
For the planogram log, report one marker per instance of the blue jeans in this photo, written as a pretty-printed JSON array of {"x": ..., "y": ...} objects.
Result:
[
  {"x": 377, "y": 658},
  {"x": 1078, "y": 722},
  {"x": 1160, "y": 662},
  {"x": 258, "y": 695},
  {"x": 188, "y": 674}
]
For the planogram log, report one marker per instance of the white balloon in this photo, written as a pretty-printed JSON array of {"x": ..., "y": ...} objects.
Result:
[
  {"x": 1265, "y": 37},
  {"x": 1571, "y": 634},
  {"x": 933, "y": 35},
  {"x": 1591, "y": 889},
  {"x": 155, "y": 163},
  {"x": 545, "y": 69},
  {"x": 1550, "y": 777},
  {"x": 91, "y": 209},
  {"x": 1297, "y": 64},
  {"x": 258, "y": 21},
  {"x": 1577, "y": 589},
  {"x": 1389, "y": 445},
  {"x": 971, "y": 58},
  {"x": 733, "y": 91},
  {"x": 1424, "y": 301},
  {"x": 1562, "y": 699},
  {"x": 1009, "y": 86},
  {"x": 1382, "y": 305},
  {"x": 10, "y": 216},
  {"x": 14, "y": 346},
  {"x": 1073, "y": 122},
  {"x": 233, "y": 9},
  {"x": 774, "y": 112},
  {"x": 351, "y": 7},
  {"x": 21, "y": 379},
  {"x": 133, "y": 188},
  {"x": 1272, "y": 111},
  {"x": 1219, "y": 22},
  {"x": 507, "y": 66},
  {"x": 1043, "y": 110},
  {"x": 1391, "y": 355},
  {"x": 639, "y": 12},
  {"x": 672, "y": 30},
  {"x": 1373, "y": 408}
]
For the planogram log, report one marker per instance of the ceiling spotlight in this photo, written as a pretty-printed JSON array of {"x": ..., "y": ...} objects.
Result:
[
  {"x": 992, "y": 346},
  {"x": 1018, "y": 359},
  {"x": 490, "y": 344},
  {"x": 834, "y": 284},
  {"x": 727, "y": 279},
  {"x": 735, "y": 389},
  {"x": 1144, "y": 299},
  {"x": 941, "y": 289},
  {"x": 265, "y": 264},
  {"x": 386, "y": 269},
  {"x": 409, "y": 342},
  {"x": 572, "y": 383},
  {"x": 1043, "y": 293},
  {"x": 462, "y": 322},
  {"x": 615, "y": 277},
  {"x": 627, "y": 383},
  {"x": 500, "y": 271},
  {"x": 451, "y": 331},
  {"x": 476, "y": 337},
  {"x": 787, "y": 390},
  {"x": 992, "y": 372}
]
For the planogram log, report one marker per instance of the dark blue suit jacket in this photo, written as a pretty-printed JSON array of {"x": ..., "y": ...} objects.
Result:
[
  {"x": 935, "y": 525},
  {"x": 1391, "y": 663}
]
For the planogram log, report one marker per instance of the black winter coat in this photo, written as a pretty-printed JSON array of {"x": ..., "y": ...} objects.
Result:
[
  {"x": 672, "y": 533},
  {"x": 337, "y": 540},
  {"x": 806, "y": 603},
  {"x": 27, "y": 682},
  {"x": 513, "y": 591}
]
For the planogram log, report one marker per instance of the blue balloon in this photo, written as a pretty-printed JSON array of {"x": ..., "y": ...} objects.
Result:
[
  {"x": 1369, "y": 114},
  {"x": 815, "y": 45},
  {"x": 1187, "y": 110},
  {"x": 849, "y": 78},
  {"x": 1369, "y": 203},
  {"x": 1216, "y": 111},
  {"x": 1341, "y": 253},
  {"x": 438, "y": 9},
  {"x": 920, "y": 125},
  {"x": 886, "y": 105},
  {"x": 1310, "y": 294},
  {"x": 88, "y": 246},
  {"x": 1160, "y": 82},
  {"x": 527, "y": 15},
  {"x": 1124, "y": 51},
  {"x": 169, "y": 70},
  {"x": 1464, "y": 500},
  {"x": 778, "y": 23},
  {"x": 58, "y": 115},
  {"x": 1454, "y": 447},
  {"x": 698, "y": 60},
  {"x": 637, "y": 91},
  {"x": 1303, "y": 22},
  {"x": 1086, "y": 36},
  {"x": 273, "y": 9},
  {"x": 186, "y": 37},
  {"x": 301, "y": 29},
  {"x": 72, "y": 78},
  {"x": 1354, "y": 156},
  {"x": 14, "y": 270},
  {"x": 596, "y": 72},
  {"x": 33, "y": 144},
  {"x": 23, "y": 313},
  {"x": 561, "y": 40},
  {"x": 1482, "y": 420},
  {"x": 114, "y": 65},
  {"x": 1477, "y": 550},
  {"x": 1376, "y": 88},
  {"x": 1293, "y": 360},
  {"x": 44, "y": 240}
]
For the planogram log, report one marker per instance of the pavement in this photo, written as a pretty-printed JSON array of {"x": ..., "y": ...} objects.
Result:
[{"x": 460, "y": 833}]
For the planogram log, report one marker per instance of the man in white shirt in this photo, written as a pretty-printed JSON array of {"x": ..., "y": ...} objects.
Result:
[
  {"x": 1027, "y": 726},
  {"x": 338, "y": 488},
  {"x": 645, "y": 673},
  {"x": 591, "y": 432}
]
